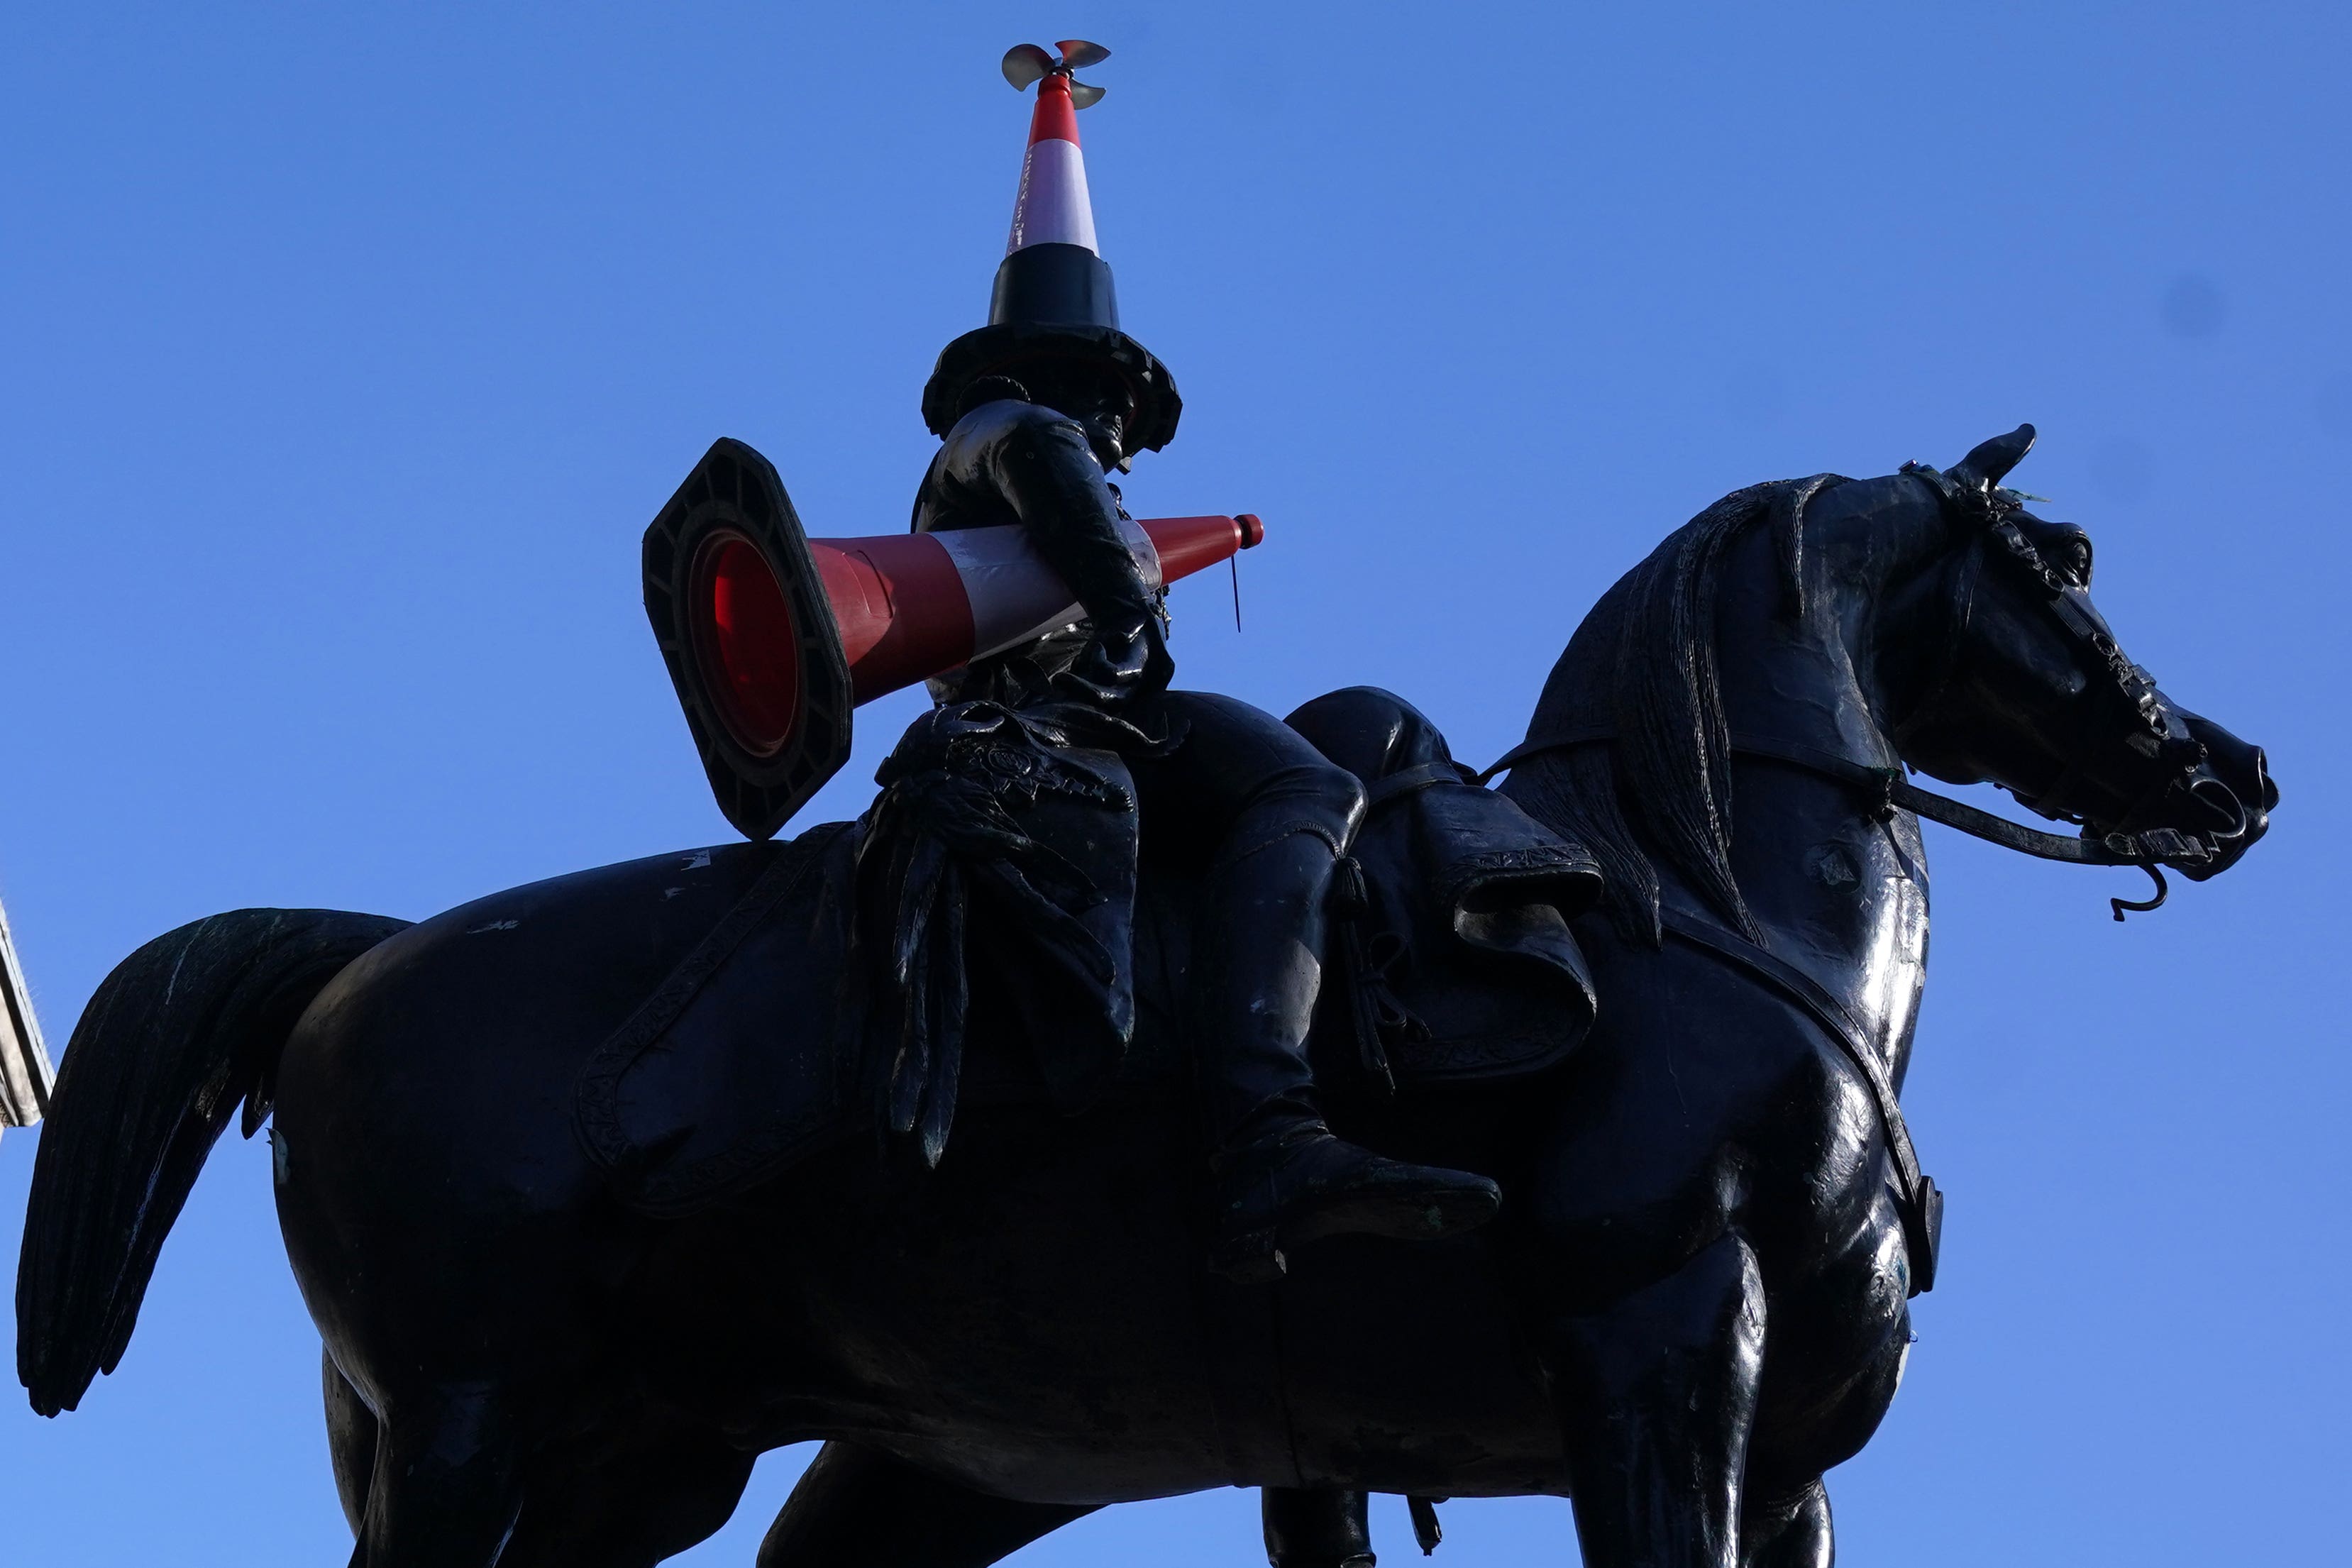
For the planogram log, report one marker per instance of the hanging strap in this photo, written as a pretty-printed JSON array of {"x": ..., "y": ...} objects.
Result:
[
  {"x": 1889, "y": 789},
  {"x": 1916, "y": 1199}
]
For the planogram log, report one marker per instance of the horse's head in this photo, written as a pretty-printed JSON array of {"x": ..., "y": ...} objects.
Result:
[{"x": 2010, "y": 675}]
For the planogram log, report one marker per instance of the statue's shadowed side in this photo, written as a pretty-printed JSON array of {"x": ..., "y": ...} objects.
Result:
[{"x": 1691, "y": 1303}]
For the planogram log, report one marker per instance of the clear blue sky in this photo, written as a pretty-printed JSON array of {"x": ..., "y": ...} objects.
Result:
[{"x": 348, "y": 350}]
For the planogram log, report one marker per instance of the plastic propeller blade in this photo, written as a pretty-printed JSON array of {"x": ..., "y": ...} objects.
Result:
[
  {"x": 1077, "y": 53},
  {"x": 1025, "y": 65},
  {"x": 1082, "y": 95}
]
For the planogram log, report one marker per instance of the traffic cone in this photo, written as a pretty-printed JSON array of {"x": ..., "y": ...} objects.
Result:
[
  {"x": 912, "y": 605},
  {"x": 772, "y": 638},
  {"x": 1052, "y": 299},
  {"x": 1053, "y": 270}
]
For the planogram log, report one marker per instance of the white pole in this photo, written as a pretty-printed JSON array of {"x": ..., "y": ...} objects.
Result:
[{"x": 25, "y": 1072}]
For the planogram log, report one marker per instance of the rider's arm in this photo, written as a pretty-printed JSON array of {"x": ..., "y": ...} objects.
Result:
[
  {"x": 1039, "y": 466},
  {"x": 1041, "y": 463}
]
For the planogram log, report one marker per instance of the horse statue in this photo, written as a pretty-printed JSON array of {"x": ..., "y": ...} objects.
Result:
[{"x": 1693, "y": 1303}]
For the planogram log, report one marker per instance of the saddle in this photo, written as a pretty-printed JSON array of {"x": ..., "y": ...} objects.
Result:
[
  {"x": 1454, "y": 961},
  {"x": 838, "y": 994}
]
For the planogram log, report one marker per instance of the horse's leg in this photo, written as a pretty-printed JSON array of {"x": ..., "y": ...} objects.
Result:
[
  {"x": 446, "y": 1485},
  {"x": 1657, "y": 1398},
  {"x": 350, "y": 1440},
  {"x": 1316, "y": 1529},
  {"x": 629, "y": 1510},
  {"x": 1803, "y": 1428},
  {"x": 1788, "y": 1531},
  {"x": 859, "y": 1508}
]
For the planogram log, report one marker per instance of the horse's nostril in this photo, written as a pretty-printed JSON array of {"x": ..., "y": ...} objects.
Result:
[
  {"x": 2269, "y": 786},
  {"x": 2222, "y": 805}
]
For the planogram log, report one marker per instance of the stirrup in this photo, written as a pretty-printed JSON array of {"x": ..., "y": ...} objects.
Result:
[{"x": 1249, "y": 1258}]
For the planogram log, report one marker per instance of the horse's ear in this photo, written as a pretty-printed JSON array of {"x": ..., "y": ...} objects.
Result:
[{"x": 1990, "y": 463}]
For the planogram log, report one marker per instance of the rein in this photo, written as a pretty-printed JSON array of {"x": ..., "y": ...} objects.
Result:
[
  {"x": 1916, "y": 1199},
  {"x": 1887, "y": 791},
  {"x": 1985, "y": 511}
]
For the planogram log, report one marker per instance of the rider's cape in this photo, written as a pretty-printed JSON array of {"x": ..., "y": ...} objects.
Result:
[
  {"x": 990, "y": 895},
  {"x": 1001, "y": 840}
]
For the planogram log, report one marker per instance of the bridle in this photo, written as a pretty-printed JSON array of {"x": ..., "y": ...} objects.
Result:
[{"x": 1989, "y": 516}]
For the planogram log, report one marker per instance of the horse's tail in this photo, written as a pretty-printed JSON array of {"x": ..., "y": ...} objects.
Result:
[{"x": 183, "y": 1030}]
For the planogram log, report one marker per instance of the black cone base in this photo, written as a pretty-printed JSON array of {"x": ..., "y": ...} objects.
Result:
[
  {"x": 744, "y": 624},
  {"x": 1060, "y": 285}
]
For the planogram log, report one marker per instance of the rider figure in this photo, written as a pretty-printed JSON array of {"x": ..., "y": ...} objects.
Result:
[
  {"x": 1033, "y": 409},
  {"x": 1029, "y": 442}
]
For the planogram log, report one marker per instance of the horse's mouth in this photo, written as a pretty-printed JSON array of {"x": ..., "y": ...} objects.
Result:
[{"x": 2209, "y": 822}]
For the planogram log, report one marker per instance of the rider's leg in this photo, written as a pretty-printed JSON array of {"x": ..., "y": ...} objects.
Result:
[
  {"x": 1656, "y": 1397},
  {"x": 1281, "y": 815},
  {"x": 859, "y": 1508}
]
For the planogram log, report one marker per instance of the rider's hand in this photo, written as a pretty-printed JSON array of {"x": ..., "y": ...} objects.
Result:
[{"x": 1115, "y": 667}]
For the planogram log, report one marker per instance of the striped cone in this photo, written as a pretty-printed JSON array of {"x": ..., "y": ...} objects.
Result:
[
  {"x": 772, "y": 638},
  {"x": 1053, "y": 270},
  {"x": 1053, "y": 297},
  {"x": 912, "y": 605}
]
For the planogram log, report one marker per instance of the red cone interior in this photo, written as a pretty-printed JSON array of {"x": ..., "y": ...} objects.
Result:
[{"x": 747, "y": 645}]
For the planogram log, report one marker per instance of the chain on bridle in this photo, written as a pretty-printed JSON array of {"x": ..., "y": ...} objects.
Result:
[{"x": 1993, "y": 517}]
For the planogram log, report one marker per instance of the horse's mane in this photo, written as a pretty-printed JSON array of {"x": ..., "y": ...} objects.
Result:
[{"x": 1644, "y": 665}]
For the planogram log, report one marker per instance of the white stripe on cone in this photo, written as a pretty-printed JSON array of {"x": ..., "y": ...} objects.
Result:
[
  {"x": 1015, "y": 596},
  {"x": 1053, "y": 207},
  {"x": 909, "y": 605}
]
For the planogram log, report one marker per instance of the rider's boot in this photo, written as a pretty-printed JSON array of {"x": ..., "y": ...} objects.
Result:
[{"x": 1282, "y": 1178}]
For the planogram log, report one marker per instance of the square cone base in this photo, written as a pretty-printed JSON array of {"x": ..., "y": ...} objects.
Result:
[{"x": 741, "y": 618}]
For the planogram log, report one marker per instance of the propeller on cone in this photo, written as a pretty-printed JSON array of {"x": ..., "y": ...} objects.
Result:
[{"x": 1025, "y": 65}]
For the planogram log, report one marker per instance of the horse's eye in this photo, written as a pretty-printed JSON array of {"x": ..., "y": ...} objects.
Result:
[{"x": 2075, "y": 556}]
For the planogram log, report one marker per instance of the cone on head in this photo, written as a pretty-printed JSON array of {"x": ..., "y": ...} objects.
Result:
[
  {"x": 1053, "y": 299},
  {"x": 1053, "y": 268}
]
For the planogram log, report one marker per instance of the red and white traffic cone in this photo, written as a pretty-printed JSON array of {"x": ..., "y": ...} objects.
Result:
[
  {"x": 1052, "y": 298},
  {"x": 1052, "y": 206},
  {"x": 913, "y": 605},
  {"x": 772, "y": 638},
  {"x": 1053, "y": 270}
]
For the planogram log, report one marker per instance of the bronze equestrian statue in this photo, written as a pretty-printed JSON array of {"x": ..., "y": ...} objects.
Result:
[
  {"x": 598, "y": 1188},
  {"x": 527, "y": 1365}
]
